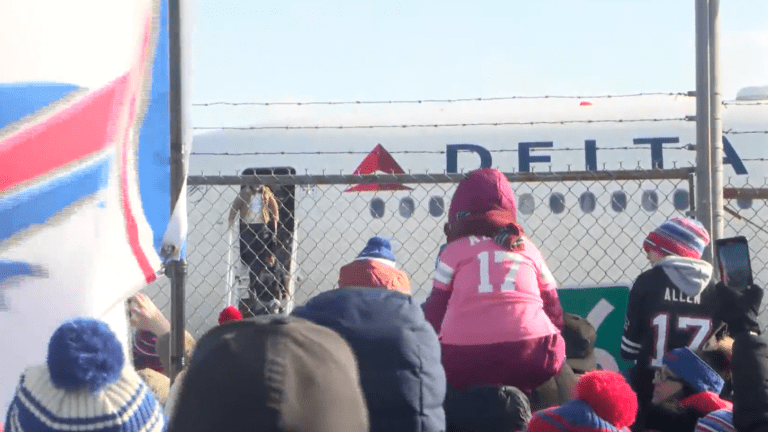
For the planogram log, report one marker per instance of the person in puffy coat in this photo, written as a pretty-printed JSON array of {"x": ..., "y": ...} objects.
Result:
[{"x": 398, "y": 355}]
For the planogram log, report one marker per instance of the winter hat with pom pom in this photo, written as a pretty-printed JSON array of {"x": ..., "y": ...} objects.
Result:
[
  {"x": 229, "y": 314},
  {"x": 375, "y": 267},
  {"x": 603, "y": 401},
  {"x": 86, "y": 385},
  {"x": 378, "y": 247}
]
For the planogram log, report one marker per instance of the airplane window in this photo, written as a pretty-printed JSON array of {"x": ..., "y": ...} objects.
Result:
[
  {"x": 526, "y": 204},
  {"x": 680, "y": 199},
  {"x": 744, "y": 203},
  {"x": 406, "y": 207},
  {"x": 650, "y": 201},
  {"x": 619, "y": 201},
  {"x": 436, "y": 206},
  {"x": 557, "y": 203},
  {"x": 377, "y": 208},
  {"x": 587, "y": 202}
]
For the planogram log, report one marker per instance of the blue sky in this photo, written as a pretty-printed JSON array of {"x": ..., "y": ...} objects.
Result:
[{"x": 344, "y": 50}]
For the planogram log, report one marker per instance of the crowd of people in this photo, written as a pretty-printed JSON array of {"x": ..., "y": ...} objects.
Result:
[{"x": 490, "y": 350}]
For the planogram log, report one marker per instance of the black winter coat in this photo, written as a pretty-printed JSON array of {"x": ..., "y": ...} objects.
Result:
[
  {"x": 749, "y": 366},
  {"x": 684, "y": 419}
]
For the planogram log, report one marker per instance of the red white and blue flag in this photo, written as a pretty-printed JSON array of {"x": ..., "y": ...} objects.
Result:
[{"x": 84, "y": 166}]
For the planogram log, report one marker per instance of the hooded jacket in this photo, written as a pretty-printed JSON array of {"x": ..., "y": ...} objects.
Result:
[
  {"x": 681, "y": 292},
  {"x": 373, "y": 273},
  {"x": 690, "y": 275},
  {"x": 675, "y": 300},
  {"x": 398, "y": 355},
  {"x": 483, "y": 191}
]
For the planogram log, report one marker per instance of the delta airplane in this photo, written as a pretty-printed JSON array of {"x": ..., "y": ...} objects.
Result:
[{"x": 589, "y": 231}]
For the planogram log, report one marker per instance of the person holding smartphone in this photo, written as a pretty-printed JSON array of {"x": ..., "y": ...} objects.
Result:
[
  {"x": 739, "y": 309},
  {"x": 735, "y": 265},
  {"x": 672, "y": 305}
]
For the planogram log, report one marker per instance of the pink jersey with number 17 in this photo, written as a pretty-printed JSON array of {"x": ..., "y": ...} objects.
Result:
[{"x": 495, "y": 294}]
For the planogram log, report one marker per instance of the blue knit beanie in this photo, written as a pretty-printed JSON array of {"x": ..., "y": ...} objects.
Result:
[
  {"x": 85, "y": 385},
  {"x": 693, "y": 370},
  {"x": 378, "y": 247}
]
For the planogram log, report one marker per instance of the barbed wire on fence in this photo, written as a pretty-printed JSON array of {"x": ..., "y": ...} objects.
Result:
[
  {"x": 742, "y": 103},
  {"x": 737, "y": 132},
  {"x": 423, "y": 101},
  {"x": 728, "y": 103},
  {"x": 355, "y": 152},
  {"x": 439, "y": 125}
]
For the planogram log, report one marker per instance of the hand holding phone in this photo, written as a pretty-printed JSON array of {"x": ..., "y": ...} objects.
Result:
[{"x": 734, "y": 263}]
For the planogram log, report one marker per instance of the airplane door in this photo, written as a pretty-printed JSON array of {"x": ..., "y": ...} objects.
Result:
[{"x": 285, "y": 248}]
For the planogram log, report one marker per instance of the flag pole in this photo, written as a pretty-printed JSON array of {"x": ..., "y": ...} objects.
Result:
[{"x": 176, "y": 269}]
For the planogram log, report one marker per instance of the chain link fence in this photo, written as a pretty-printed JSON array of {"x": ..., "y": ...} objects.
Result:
[
  {"x": 746, "y": 214},
  {"x": 589, "y": 226}
]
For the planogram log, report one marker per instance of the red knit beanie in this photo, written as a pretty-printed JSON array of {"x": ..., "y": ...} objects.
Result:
[
  {"x": 608, "y": 393},
  {"x": 230, "y": 313}
]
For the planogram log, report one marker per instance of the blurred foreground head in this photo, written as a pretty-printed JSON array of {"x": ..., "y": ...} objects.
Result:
[
  {"x": 85, "y": 385},
  {"x": 271, "y": 373}
]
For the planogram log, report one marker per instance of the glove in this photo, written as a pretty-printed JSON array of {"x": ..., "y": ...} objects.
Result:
[{"x": 739, "y": 308}]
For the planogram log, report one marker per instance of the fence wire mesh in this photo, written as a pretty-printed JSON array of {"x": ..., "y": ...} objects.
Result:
[
  {"x": 746, "y": 214},
  {"x": 589, "y": 226}
]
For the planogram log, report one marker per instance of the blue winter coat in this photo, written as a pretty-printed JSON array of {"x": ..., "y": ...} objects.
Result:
[{"x": 398, "y": 354}]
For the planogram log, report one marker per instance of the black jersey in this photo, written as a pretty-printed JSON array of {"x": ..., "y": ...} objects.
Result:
[{"x": 661, "y": 318}]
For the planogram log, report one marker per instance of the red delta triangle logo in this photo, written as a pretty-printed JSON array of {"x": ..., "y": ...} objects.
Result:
[{"x": 378, "y": 160}]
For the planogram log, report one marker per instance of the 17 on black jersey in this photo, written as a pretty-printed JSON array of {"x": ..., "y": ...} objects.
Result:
[{"x": 661, "y": 318}]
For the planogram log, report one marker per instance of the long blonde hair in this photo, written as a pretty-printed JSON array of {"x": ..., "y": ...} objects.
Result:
[{"x": 267, "y": 197}]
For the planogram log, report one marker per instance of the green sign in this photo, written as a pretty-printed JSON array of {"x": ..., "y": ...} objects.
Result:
[{"x": 604, "y": 308}]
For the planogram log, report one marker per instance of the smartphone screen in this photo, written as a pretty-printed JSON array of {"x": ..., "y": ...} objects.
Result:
[{"x": 735, "y": 268}]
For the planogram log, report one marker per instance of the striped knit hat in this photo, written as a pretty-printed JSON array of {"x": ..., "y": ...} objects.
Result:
[
  {"x": 678, "y": 236},
  {"x": 86, "y": 385},
  {"x": 716, "y": 421}
]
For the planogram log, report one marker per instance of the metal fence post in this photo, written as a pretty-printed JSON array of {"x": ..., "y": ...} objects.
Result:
[
  {"x": 176, "y": 269},
  {"x": 716, "y": 125},
  {"x": 692, "y": 195},
  {"x": 703, "y": 142}
]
